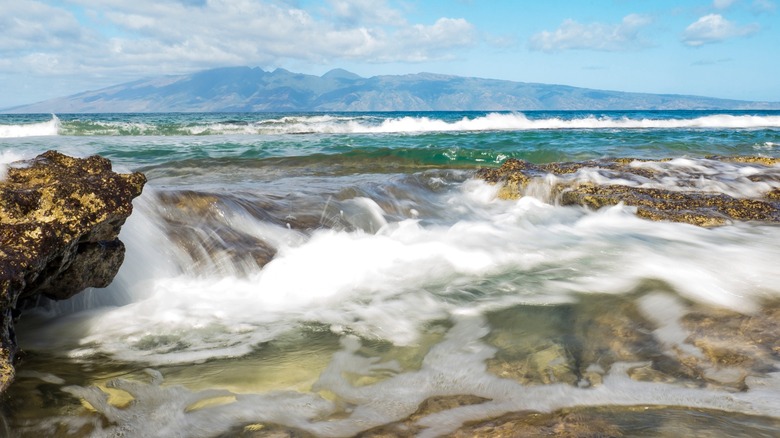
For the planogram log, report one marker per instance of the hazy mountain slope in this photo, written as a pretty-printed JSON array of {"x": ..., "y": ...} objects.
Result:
[{"x": 253, "y": 89}]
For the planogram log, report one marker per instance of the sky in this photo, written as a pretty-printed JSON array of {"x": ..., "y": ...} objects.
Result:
[{"x": 717, "y": 48}]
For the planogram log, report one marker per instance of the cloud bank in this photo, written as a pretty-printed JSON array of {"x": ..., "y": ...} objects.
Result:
[{"x": 103, "y": 36}]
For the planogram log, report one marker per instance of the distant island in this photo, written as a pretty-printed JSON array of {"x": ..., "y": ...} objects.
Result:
[{"x": 245, "y": 89}]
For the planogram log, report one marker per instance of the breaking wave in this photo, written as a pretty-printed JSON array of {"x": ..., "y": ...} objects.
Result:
[
  {"x": 254, "y": 124},
  {"x": 518, "y": 121},
  {"x": 39, "y": 129}
]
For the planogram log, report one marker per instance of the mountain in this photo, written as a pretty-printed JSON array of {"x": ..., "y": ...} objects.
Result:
[{"x": 245, "y": 89}]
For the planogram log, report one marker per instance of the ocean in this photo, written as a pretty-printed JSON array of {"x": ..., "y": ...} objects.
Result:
[{"x": 342, "y": 274}]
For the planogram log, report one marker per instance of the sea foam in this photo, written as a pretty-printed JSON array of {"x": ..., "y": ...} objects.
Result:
[
  {"x": 519, "y": 121},
  {"x": 499, "y": 122},
  {"x": 49, "y": 128},
  {"x": 372, "y": 124},
  {"x": 388, "y": 282}
]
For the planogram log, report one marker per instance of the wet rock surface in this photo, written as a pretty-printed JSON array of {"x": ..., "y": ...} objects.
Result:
[
  {"x": 59, "y": 221},
  {"x": 221, "y": 240},
  {"x": 667, "y": 190}
]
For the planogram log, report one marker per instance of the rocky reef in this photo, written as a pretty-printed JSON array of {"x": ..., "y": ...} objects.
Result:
[
  {"x": 59, "y": 221},
  {"x": 700, "y": 193}
]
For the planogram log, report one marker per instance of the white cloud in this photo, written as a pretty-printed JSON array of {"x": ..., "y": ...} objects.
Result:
[
  {"x": 121, "y": 39},
  {"x": 365, "y": 12},
  {"x": 763, "y": 6},
  {"x": 32, "y": 25},
  {"x": 446, "y": 33},
  {"x": 572, "y": 35},
  {"x": 722, "y": 4},
  {"x": 713, "y": 28}
]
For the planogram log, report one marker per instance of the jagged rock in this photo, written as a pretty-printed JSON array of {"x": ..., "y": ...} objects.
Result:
[
  {"x": 684, "y": 204},
  {"x": 59, "y": 221}
]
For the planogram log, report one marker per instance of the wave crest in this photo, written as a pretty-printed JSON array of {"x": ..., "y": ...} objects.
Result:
[
  {"x": 378, "y": 124},
  {"x": 40, "y": 129},
  {"x": 519, "y": 121}
]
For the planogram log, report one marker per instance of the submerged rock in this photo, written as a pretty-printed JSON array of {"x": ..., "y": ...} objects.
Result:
[
  {"x": 563, "y": 424},
  {"x": 409, "y": 426},
  {"x": 689, "y": 192},
  {"x": 534, "y": 347},
  {"x": 219, "y": 244},
  {"x": 736, "y": 344},
  {"x": 59, "y": 221}
]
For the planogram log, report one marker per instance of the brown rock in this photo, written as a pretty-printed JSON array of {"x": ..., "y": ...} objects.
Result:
[
  {"x": 408, "y": 427},
  {"x": 765, "y": 161},
  {"x": 184, "y": 212},
  {"x": 534, "y": 345},
  {"x": 267, "y": 430},
  {"x": 59, "y": 221},
  {"x": 689, "y": 206},
  {"x": 731, "y": 339},
  {"x": 523, "y": 424},
  {"x": 610, "y": 329}
]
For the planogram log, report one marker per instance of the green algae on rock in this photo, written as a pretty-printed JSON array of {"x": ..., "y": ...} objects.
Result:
[
  {"x": 644, "y": 185},
  {"x": 59, "y": 221}
]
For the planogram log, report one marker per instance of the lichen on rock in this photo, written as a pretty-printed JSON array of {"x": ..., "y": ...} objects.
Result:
[{"x": 59, "y": 221}]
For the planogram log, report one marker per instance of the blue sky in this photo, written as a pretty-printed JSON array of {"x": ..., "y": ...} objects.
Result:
[{"x": 718, "y": 48}]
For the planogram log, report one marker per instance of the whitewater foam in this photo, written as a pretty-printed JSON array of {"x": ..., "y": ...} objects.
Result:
[
  {"x": 512, "y": 122},
  {"x": 519, "y": 121},
  {"x": 371, "y": 124},
  {"x": 735, "y": 179},
  {"x": 766, "y": 146},
  {"x": 7, "y": 157},
  {"x": 387, "y": 282},
  {"x": 686, "y": 174},
  {"x": 41, "y": 129}
]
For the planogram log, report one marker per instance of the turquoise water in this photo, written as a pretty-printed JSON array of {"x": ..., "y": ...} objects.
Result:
[
  {"x": 330, "y": 272},
  {"x": 430, "y": 138}
]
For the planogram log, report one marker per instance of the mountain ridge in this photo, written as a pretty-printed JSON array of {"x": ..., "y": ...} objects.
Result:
[{"x": 247, "y": 89}]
